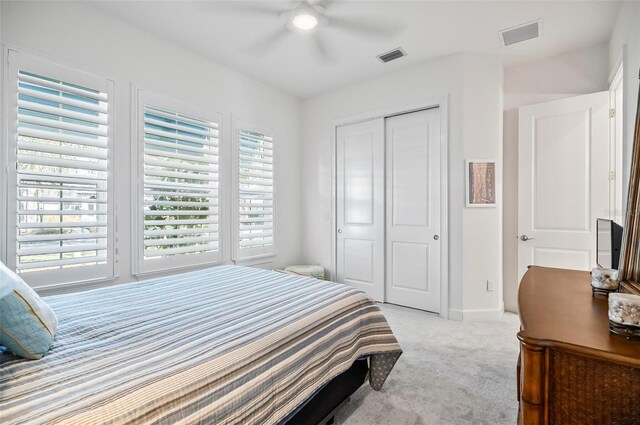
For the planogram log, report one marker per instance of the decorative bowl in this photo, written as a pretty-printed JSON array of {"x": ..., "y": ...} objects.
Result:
[
  {"x": 624, "y": 309},
  {"x": 606, "y": 279}
]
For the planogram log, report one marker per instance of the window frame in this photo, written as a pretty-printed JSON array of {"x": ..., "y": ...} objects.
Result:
[
  {"x": 140, "y": 266},
  {"x": 260, "y": 254},
  {"x": 16, "y": 61}
]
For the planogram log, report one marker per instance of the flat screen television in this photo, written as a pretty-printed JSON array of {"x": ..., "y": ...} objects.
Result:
[{"x": 608, "y": 243}]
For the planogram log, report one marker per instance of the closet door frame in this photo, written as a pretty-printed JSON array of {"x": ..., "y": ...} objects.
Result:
[{"x": 386, "y": 112}]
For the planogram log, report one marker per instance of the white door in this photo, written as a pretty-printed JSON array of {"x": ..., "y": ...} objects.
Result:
[
  {"x": 616, "y": 163},
  {"x": 360, "y": 206},
  {"x": 563, "y": 183},
  {"x": 413, "y": 210}
]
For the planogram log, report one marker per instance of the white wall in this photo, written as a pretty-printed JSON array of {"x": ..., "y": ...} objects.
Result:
[
  {"x": 80, "y": 36},
  {"x": 624, "y": 46},
  {"x": 571, "y": 74},
  {"x": 575, "y": 72},
  {"x": 472, "y": 84},
  {"x": 482, "y": 227}
]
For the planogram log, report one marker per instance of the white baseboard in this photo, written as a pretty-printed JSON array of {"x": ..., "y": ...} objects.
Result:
[{"x": 477, "y": 315}]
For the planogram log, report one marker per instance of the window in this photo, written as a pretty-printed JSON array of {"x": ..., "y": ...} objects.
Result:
[
  {"x": 179, "y": 193},
  {"x": 60, "y": 211},
  {"x": 254, "y": 203}
]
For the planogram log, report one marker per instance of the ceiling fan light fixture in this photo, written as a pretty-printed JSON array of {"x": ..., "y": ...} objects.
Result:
[{"x": 304, "y": 20}]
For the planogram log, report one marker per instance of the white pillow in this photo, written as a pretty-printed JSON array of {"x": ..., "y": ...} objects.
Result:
[{"x": 27, "y": 324}]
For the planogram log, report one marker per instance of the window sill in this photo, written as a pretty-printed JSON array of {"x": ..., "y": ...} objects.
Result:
[
  {"x": 256, "y": 261},
  {"x": 173, "y": 270},
  {"x": 80, "y": 286}
]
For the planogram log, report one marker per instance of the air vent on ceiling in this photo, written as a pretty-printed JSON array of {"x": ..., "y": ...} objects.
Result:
[
  {"x": 521, "y": 33},
  {"x": 392, "y": 55}
]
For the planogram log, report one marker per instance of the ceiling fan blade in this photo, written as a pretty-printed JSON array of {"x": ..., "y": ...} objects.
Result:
[
  {"x": 321, "y": 47},
  {"x": 367, "y": 28},
  {"x": 255, "y": 8},
  {"x": 323, "y": 4},
  {"x": 270, "y": 40}
]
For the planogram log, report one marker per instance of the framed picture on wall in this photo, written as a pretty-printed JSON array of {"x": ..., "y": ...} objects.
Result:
[{"x": 481, "y": 183}]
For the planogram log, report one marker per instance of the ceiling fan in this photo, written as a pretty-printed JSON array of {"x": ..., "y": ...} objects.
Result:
[{"x": 311, "y": 18}]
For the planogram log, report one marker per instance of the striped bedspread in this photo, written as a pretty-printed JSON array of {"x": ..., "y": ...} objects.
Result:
[{"x": 223, "y": 345}]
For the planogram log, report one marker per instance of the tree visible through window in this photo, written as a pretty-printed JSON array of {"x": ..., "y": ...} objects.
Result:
[{"x": 180, "y": 196}]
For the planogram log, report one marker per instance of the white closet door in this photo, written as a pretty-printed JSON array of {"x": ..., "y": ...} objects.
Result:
[
  {"x": 360, "y": 206},
  {"x": 413, "y": 210}
]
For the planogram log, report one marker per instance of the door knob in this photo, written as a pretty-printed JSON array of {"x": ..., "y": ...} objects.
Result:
[
  {"x": 525, "y": 238},
  {"x": 436, "y": 237},
  {"x": 339, "y": 230}
]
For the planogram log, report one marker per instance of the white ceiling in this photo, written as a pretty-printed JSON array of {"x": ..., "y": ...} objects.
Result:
[{"x": 233, "y": 34}]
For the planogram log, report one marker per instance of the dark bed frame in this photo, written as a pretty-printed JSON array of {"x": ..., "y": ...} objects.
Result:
[{"x": 321, "y": 408}]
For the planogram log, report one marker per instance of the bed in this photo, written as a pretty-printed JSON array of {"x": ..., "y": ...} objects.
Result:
[{"x": 224, "y": 345}]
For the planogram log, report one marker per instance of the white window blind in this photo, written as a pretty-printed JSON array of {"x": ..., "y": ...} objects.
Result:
[
  {"x": 180, "y": 185},
  {"x": 61, "y": 186},
  {"x": 255, "y": 200}
]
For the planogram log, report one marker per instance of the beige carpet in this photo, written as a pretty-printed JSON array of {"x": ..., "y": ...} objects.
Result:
[{"x": 450, "y": 373}]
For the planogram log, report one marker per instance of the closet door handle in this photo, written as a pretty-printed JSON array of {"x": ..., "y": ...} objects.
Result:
[
  {"x": 436, "y": 237},
  {"x": 339, "y": 230}
]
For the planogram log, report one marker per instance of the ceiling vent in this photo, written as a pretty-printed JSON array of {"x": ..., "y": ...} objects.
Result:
[
  {"x": 392, "y": 55},
  {"x": 521, "y": 33}
]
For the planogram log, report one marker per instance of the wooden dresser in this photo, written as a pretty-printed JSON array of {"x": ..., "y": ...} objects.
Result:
[{"x": 571, "y": 370}]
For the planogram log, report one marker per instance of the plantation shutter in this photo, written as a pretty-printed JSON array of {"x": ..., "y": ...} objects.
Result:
[
  {"x": 63, "y": 216},
  {"x": 180, "y": 185},
  {"x": 255, "y": 200}
]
